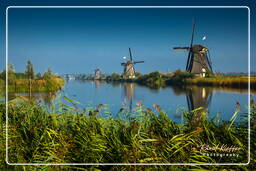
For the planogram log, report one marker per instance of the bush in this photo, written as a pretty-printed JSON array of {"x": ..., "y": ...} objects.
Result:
[{"x": 114, "y": 77}]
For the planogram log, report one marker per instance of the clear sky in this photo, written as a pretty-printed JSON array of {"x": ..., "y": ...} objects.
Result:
[{"x": 80, "y": 40}]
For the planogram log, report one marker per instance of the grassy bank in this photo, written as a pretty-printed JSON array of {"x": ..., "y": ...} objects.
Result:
[
  {"x": 35, "y": 85},
  {"x": 233, "y": 82},
  {"x": 67, "y": 134},
  {"x": 156, "y": 79}
]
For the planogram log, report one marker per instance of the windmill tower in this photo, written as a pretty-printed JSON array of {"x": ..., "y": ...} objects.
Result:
[
  {"x": 97, "y": 74},
  {"x": 198, "y": 61},
  {"x": 129, "y": 71}
]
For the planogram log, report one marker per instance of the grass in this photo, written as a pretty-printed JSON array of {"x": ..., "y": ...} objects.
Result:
[
  {"x": 157, "y": 79},
  {"x": 37, "y": 85},
  {"x": 234, "y": 82},
  {"x": 66, "y": 134}
]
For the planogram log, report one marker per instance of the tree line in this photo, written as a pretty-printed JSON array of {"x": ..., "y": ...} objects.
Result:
[{"x": 29, "y": 73}]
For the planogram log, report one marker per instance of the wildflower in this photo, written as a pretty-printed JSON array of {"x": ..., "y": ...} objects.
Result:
[
  {"x": 95, "y": 112},
  {"x": 148, "y": 111},
  {"x": 99, "y": 106},
  {"x": 139, "y": 104},
  {"x": 157, "y": 107}
]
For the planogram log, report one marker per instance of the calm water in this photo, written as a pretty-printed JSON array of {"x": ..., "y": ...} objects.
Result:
[{"x": 118, "y": 95}]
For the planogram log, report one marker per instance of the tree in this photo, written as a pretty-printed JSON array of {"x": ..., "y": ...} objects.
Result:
[
  {"x": 30, "y": 70},
  {"x": 48, "y": 73},
  {"x": 11, "y": 73},
  {"x": 38, "y": 75},
  {"x": 49, "y": 79}
]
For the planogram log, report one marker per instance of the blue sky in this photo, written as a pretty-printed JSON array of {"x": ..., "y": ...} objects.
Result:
[{"x": 80, "y": 40}]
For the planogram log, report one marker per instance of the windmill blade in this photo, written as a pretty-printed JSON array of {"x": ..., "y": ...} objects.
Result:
[
  {"x": 188, "y": 60},
  {"x": 193, "y": 32},
  {"x": 130, "y": 52},
  {"x": 181, "y": 48},
  {"x": 123, "y": 63},
  {"x": 190, "y": 55},
  {"x": 135, "y": 62},
  {"x": 209, "y": 60}
]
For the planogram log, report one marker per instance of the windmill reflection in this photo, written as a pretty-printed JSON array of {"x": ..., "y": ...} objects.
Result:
[
  {"x": 97, "y": 84},
  {"x": 128, "y": 89},
  {"x": 198, "y": 97}
]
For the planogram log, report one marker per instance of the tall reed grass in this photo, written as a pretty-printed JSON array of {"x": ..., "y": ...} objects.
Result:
[{"x": 71, "y": 135}]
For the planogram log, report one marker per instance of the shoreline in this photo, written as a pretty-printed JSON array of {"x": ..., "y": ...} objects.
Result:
[{"x": 35, "y": 85}]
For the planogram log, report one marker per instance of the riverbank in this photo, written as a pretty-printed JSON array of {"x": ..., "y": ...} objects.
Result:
[
  {"x": 178, "y": 78},
  {"x": 72, "y": 135},
  {"x": 34, "y": 85}
]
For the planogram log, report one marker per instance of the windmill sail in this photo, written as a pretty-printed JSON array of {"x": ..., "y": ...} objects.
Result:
[
  {"x": 190, "y": 56},
  {"x": 130, "y": 52}
]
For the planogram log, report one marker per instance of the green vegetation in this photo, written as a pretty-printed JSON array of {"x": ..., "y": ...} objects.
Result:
[
  {"x": 29, "y": 82},
  {"x": 181, "y": 78},
  {"x": 114, "y": 77},
  {"x": 67, "y": 134},
  {"x": 223, "y": 81},
  {"x": 153, "y": 79},
  {"x": 30, "y": 70}
]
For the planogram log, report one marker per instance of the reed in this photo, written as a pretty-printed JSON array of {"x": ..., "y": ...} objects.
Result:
[
  {"x": 67, "y": 134},
  {"x": 235, "y": 82},
  {"x": 36, "y": 85}
]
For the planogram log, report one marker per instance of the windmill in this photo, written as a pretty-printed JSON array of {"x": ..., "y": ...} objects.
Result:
[
  {"x": 198, "y": 61},
  {"x": 129, "y": 71},
  {"x": 97, "y": 74}
]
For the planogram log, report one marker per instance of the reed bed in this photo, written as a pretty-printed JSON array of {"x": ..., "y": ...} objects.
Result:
[
  {"x": 67, "y": 134},
  {"x": 235, "y": 82},
  {"x": 35, "y": 85}
]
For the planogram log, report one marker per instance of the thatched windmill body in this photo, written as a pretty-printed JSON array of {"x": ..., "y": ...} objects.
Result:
[
  {"x": 129, "y": 71},
  {"x": 198, "y": 61}
]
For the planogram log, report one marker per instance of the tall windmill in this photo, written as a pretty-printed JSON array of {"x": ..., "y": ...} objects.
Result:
[
  {"x": 129, "y": 71},
  {"x": 198, "y": 61}
]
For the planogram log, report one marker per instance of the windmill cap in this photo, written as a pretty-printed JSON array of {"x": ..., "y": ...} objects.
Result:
[{"x": 199, "y": 48}]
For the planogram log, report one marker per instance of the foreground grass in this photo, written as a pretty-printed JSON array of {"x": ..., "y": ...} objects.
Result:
[{"x": 71, "y": 135}]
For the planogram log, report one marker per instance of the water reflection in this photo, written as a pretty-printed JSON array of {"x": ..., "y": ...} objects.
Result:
[
  {"x": 97, "y": 84},
  {"x": 42, "y": 97},
  {"x": 128, "y": 91},
  {"x": 198, "y": 97},
  {"x": 168, "y": 98}
]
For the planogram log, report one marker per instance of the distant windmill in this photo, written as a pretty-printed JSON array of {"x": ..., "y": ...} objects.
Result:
[
  {"x": 97, "y": 74},
  {"x": 129, "y": 71},
  {"x": 198, "y": 61}
]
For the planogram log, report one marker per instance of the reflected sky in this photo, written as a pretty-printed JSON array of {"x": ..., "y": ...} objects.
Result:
[{"x": 173, "y": 100}]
